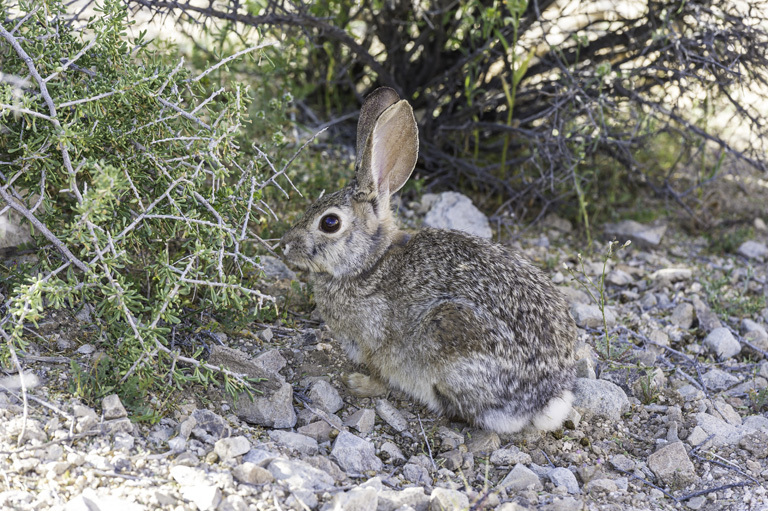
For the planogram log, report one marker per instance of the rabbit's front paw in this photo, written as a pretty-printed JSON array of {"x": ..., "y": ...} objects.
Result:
[{"x": 364, "y": 386}]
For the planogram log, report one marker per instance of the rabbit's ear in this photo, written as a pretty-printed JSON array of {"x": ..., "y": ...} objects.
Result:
[
  {"x": 390, "y": 152},
  {"x": 376, "y": 102}
]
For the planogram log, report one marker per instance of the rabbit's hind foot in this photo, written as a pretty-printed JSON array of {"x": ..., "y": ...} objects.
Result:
[{"x": 362, "y": 385}]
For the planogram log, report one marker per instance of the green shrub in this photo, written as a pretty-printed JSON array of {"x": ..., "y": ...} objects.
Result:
[{"x": 130, "y": 167}]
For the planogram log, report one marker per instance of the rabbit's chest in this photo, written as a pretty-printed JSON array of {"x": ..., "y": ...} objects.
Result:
[{"x": 353, "y": 316}]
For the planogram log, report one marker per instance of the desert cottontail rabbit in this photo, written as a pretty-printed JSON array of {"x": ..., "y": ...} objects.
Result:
[{"x": 468, "y": 327}]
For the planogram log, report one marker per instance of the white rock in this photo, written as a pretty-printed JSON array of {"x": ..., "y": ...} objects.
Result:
[
  {"x": 722, "y": 343},
  {"x": 725, "y": 434},
  {"x": 295, "y": 441},
  {"x": 599, "y": 398},
  {"x": 561, "y": 476},
  {"x": 300, "y": 475},
  {"x": 325, "y": 395},
  {"x": 717, "y": 379},
  {"x": 391, "y": 415},
  {"x": 228, "y": 448},
  {"x": 753, "y": 250},
  {"x": 443, "y": 499},
  {"x": 669, "y": 275},
  {"x": 601, "y": 485},
  {"x": 452, "y": 210},
  {"x": 362, "y": 420},
  {"x": 521, "y": 478},
  {"x": 356, "y": 499},
  {"x": 590, "y": 316},
  {"x": 672, "y": 465},
  {"x": 354, "y": 454},
  {"x": 637, "y": 232}
]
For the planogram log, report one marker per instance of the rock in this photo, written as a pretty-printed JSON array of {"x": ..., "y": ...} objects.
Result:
[
  {"x": 510, "y": 456},
  {"x": 391, "y": 415},
  {"x": 747, "y": 326},
  {"x": 619, "y": 278},
  {"x": 599, "y": 398},
  {"x": 416, "y": 474},
  {"x": 392, "y": 454},
  {"x": 722, "y": 343},
  {"x": 319, "y": 430},
  {"x": 452, "y": 210},
  {"x": 113, "y": 408},
  {"x": 672, "y": 465},
  {"x": 409, "y": 498},
  {"x": 295, "y": 441},
  {"x": 188, "y": 476},
  {"x": 716, "y": 379},
  {"x": 682, "y": 315},
  {"x": 89, "y": 500},
  {"x": 573, "y": 419},
  {"x": 354, "y": 454},
  {"x": 273, "y": 409},
  {"x": 724, "y": 433},
  {"x": 601, "y": 485},
  {"x": 622, "y": 463},
  {"x": 708, "y": 320},
  {"x": 275, "y": 269},
  {"x": 260, "y": 457},
  {"x": 443, "y": 499},
  {"x": 449, "y": 439},
  {"x": 671, "y": 275},
  {"x": 300, "y": 475},
  {"x": 266, "y": 335},
  {"x": 639, "y": 233},
  {"x": 756, "y": 443},
  {"x": 483, "y": 442},
  {"x": 759, "y": 224},
  {"x": 590, "y": 316},
  {"x": 574, "y": 296},
  {"x": 753, "y": 250},
  {"x": 250, "y": 473},
  {"x": 356, "y": 499},
  {"x": 755, "y": 422},
  {"x": 324, "y": 395},
  {"x": 521, "y": 478},
  {"x": 228, "y": 448},
  {"x": 727, "y": 412},
  {"x": 362, "y": 420},
  {"x": 563, "y": 477}
]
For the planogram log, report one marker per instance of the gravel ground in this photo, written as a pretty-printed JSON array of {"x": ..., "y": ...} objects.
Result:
[{"x": 674, "y": 418}]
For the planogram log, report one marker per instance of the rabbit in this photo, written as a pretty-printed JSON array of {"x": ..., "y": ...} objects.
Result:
[{"x": 469, "y": 328}]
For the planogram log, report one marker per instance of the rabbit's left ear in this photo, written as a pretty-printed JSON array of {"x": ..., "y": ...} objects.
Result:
[{"x": 390, "y": 152}]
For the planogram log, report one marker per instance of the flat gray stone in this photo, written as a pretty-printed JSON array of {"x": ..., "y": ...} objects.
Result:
[
  {"x": 444, "y": 499},
  {"x": 319, "y": 430},
  {"x": 275, "y": 269},
  {"x": 717, "y": 379},
  {"x": 356, "y": 499},
  {"x": 251, "y": 473},
  {"x": 228, "y": 448},
  {"x": 362, "y": 420},
  {"x": 671, "y": 275},
  {"x": 590, "y": 316},
  {"x": 416, "y": 474},
  {"x": 753, "y": 250},
  {"x": 483, "y": 442},
  {"x": 682, "y": 315},
  {"x": 324, "y": 395},
  {"x": 391, "y": 415},
  {"x": 354, "y": 454},
  {"x": 452, "y": 210},
  {"x": 637, "y": 232},
  {"x": 510, "y": 456},
  {"x": 619, "y": 278},
  {"x": 623, "y": 463},
  {"x": 392, "y": 454},
  {"x": 295, "y": 441},
  {"x": 721, "y": 342},
  {"x": 409, "y": 498},
  {"x": 274, "y": 409},
  {"x": 599, "y": 398},
  {"x": 260, "y": 457},
  {"x": 708, "y": 320},
  {"x": 300, "y": 475},
  {"x": 113, "y": 408},
  {"x": 672, "y": 465},
  {"x": 756, "y": 443},
  {"x": 561, "y": 476},
  {"x": 603, "y": 485},
  {"x": 521, "y": 478},
  {"x": 725, "y": 434}
]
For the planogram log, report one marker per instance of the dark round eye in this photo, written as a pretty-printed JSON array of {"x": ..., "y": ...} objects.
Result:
[{"x": 330, "y": 223}]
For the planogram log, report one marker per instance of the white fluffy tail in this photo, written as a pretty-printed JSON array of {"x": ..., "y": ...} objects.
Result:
[{"x": 553, "y": 416}]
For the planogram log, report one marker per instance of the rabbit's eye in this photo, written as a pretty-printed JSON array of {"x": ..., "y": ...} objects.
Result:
[{"x": 330, "y": 223}]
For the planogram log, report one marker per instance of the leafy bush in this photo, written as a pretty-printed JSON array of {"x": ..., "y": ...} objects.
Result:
[
  {"x": 533, "y": 101},
  {"x": 129, "y": 167}
]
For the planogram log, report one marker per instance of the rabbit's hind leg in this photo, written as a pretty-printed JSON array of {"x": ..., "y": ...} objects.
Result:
[{"x": 362, "y": 385}]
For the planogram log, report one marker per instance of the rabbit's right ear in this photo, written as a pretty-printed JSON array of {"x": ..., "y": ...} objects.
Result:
[{"x": 389, "y": 154}]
